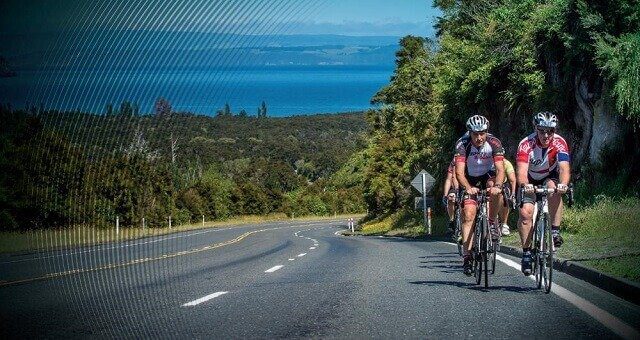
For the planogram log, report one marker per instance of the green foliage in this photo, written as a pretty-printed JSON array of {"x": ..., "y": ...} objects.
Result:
[
  {"x": 505, "y": 60},
  {"x": 73, "y": 168},
  {"x": 620, "y": 59}
]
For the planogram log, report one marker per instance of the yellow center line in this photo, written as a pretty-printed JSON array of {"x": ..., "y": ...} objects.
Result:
[{"x": 138, "y": 261}]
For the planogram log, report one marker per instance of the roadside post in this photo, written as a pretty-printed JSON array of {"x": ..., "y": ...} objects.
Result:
[
  {"x": 143, "y": 225},
  {"x": 169, "y": 222},
  {"x": 117, "y": 225},
  {"x": 429, "y": 220},
  {"x": 203, "y": 221},
  {"x": 424, "y": 182}
]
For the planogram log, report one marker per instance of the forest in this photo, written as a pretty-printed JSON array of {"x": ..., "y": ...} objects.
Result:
[{"x": 73, "y": 168}]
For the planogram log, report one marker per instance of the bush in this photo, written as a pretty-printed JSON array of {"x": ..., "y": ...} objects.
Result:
[{"x": 607, "y": 216}]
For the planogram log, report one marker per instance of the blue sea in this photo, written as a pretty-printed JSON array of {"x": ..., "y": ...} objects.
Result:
[{"x": 287, "y": 90}]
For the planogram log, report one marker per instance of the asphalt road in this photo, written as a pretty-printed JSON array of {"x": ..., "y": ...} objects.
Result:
[{"x": 291, "y": 280}]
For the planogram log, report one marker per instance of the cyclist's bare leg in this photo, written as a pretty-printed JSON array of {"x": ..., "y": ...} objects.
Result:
[
  {"x": 468, "y": 215},
  {"x": 451, "y": 206},
  {"x": 524, "y": 224},
  {"x": 503, "y": 214}
]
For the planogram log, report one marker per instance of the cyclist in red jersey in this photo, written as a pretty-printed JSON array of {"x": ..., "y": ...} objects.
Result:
[
  {"x": 542, "y": 158},
  {"x": 479, "y": 165}
]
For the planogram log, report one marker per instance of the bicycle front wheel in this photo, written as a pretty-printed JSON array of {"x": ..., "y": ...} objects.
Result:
[
  {"x": 458, "y": 233},
  {"x": 538, "y": 235},
  {"x": 547, "y": 257},
  {"x": 486, "y": 241},
  {"x": 477, "y": 254}
]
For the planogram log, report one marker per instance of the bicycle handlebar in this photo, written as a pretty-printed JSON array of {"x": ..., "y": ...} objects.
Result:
[{"x": 545, "y": 191}]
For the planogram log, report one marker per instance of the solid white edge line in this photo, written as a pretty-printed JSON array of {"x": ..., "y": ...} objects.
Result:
[
  {"x": 203, "y": 299},
  {"x": 273, "y": 269},
  {"x": 604, "y": 317}
]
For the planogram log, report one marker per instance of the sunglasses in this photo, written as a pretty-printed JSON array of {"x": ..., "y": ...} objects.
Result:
[{"x": 549, "y": 132}]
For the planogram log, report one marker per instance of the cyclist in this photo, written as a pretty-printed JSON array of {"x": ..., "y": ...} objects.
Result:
[
  {"x": 478, "y": 157},
  {"x": 509, "y": 186},
  {"x": 542, "y": 158},
  {"x": 449, "y": 191}
]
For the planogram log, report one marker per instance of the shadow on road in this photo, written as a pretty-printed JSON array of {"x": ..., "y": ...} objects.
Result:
[
  {"x": 473, "y": 286},
  {"x": 442, "y": 261}
]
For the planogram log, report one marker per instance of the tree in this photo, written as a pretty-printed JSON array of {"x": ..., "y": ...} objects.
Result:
[
  {"x": 126, "y": 109},
  {"x": 262, "y": 110},
  {"x": 162, "y": 107}
]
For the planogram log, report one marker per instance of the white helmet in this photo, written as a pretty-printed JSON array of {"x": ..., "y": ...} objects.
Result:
[
  {"x": 545, "y": 119},
  {"x": 477, "y": 123}
]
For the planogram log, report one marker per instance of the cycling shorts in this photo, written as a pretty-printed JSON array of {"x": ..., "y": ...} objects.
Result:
[{"x": 479, "y": 182}]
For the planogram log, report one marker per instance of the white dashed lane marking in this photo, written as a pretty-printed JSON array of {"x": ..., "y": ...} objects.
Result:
[
  {"x": 203, "y": 299},
  {"x": 273, "y": 269}
]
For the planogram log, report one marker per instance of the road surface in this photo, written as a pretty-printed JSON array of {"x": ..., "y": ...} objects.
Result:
[{"x": 291, "y": 280}]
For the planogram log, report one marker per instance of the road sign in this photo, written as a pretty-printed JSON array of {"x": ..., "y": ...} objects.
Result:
[{"x": 428, "y": 179}]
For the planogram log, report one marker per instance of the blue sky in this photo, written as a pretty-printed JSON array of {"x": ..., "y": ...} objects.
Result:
[{"x": 347, "y": 17}]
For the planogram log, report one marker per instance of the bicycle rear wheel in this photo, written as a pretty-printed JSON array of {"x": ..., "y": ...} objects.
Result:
[
  {"x": 458, "y": 232},
  {"x": 547, "y": 257},
  {"x": 493, "y": 259}
]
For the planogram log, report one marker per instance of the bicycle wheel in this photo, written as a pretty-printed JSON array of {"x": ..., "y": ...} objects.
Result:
[
  {"x": 477, "y": 255},
  {"x": 486, "y": 239},
  {"x": 493, "y": 259},
  {"x": 537, "y": 253},
  {"x": 495, "y": 246},
  {"x": 547, "y": 258},
  {"x": 458, "y": 232}
]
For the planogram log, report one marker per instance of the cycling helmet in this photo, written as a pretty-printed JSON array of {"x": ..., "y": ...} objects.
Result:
[
  {"x": 545, "y": 119},
  {"x": 477, "y": 123}
]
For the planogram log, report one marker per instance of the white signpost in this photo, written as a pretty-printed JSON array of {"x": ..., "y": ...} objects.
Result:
[{"x": 423, "y": 182}]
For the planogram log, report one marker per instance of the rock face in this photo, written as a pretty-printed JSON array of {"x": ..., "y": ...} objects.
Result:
[{"x": 608, "y": 131}]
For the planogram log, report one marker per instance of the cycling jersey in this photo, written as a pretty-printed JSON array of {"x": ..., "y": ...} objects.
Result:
[
  {"x": 479, "y": 161},
  {"x": 542, "y": 161}
]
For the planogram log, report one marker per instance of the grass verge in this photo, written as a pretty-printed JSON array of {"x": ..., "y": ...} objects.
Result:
[{"x": 38, "y": 240}]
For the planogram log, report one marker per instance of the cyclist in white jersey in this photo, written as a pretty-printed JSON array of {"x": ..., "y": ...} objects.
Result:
[
  {"x": 477, "y": 152},
  {"x": 542, "y": 158}
]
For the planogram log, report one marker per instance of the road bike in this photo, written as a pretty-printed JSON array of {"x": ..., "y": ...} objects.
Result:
[
  {"x": 483, "y": 245},
  {"x": 542, "y": 248}
]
